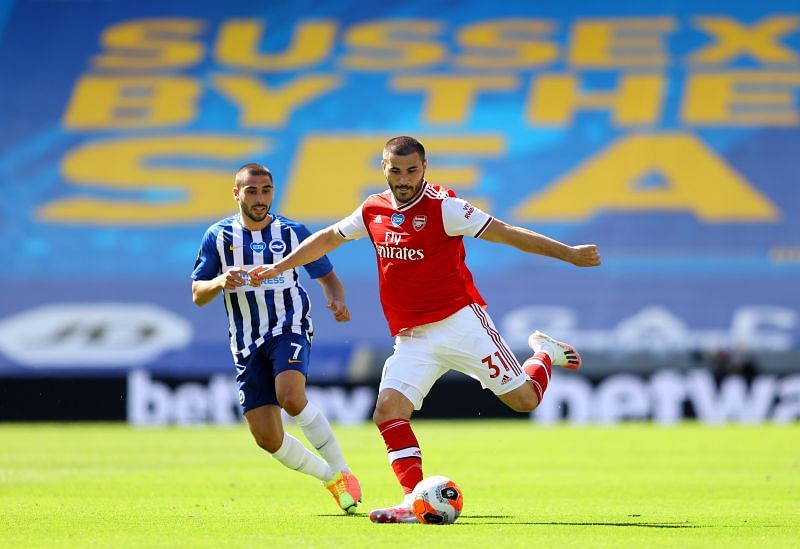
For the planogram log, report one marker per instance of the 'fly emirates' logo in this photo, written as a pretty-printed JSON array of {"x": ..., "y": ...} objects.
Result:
[{"x": 391, "y": 248}]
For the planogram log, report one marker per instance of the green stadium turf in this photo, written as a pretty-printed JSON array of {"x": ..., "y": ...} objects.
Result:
[{"x": 636, "y": 485}]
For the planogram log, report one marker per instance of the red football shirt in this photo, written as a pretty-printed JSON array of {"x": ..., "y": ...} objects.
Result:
[{"x": 420, "y": 252}]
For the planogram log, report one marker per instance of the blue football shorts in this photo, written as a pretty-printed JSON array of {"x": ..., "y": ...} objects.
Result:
[{"x": 255, "y": 374}]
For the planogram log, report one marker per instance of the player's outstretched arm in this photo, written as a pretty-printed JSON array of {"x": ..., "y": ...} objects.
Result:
[
  {"x": 585, "y": 255},
  {"x": 310, "y": 249}
]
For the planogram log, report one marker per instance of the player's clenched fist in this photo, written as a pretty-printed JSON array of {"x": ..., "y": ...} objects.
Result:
[{"x": 585, "y": 255}]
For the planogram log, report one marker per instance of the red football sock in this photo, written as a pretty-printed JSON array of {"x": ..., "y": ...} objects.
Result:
[
  {"x": 404, "y": 452},
  {"x": 538, "y": 367}
]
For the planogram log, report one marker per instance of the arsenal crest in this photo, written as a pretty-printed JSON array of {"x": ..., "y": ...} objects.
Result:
[{"x": 419, "y": 222}]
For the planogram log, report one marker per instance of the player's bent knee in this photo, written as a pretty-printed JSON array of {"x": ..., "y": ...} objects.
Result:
[
  {"x": 527, "y": 405},
  {"x": 293, "y": 402},
  {"x": 521, "y": 401},
  {"x": 391, "y": 407},
  {"x": 379, "y": 416},
  {"x": 270, "y": 442}
]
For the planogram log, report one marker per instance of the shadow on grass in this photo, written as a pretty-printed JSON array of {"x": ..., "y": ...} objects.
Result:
[
  {"x": 481, "y": 520},
  {"x": 629, "y": 524}
]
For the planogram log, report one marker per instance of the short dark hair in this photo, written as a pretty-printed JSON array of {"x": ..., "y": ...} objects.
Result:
[
  {"x": 251, "y": 168},
  {"x": 404, "y": 145}
]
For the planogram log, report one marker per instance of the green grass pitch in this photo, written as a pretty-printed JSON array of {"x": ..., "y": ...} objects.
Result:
[{"x": 636, "y": 485}]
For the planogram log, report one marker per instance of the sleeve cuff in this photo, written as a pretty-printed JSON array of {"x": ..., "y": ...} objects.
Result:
[{"x": 484, "y": 227}]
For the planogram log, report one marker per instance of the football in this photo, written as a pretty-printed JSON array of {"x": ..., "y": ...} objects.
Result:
[{"x": 437, "y": 500}]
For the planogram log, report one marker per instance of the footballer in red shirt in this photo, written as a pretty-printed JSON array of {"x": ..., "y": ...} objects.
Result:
[{"x": 431, "y": 304}]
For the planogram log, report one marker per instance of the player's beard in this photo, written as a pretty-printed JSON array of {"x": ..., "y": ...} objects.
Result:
[
  {"x": 417, "y": 188},
  {"x": 247, "y": 211}
]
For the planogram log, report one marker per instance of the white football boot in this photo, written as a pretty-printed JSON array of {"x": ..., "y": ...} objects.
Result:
[
  {"x": 561, "y": 354},
  {"x": 398, "y": 513}
]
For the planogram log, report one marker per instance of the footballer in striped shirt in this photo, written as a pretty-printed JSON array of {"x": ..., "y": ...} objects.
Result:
[{"x": 271, "y": 330}]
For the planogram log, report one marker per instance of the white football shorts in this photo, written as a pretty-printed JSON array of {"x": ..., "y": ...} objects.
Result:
[{"x": 466, "y": 341}]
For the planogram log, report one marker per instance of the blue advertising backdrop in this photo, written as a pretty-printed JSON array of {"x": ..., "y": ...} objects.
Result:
[{"x": 665, "y": 133}]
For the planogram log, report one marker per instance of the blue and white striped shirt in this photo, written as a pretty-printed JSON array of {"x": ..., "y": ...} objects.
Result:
[{"x": 280, "y": 305}]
